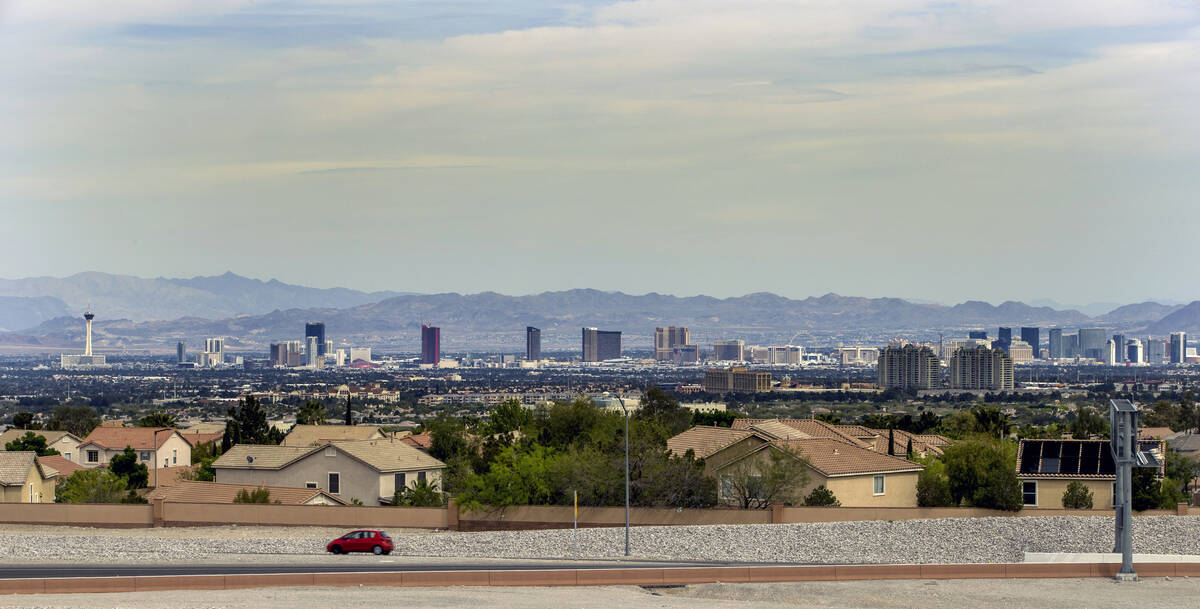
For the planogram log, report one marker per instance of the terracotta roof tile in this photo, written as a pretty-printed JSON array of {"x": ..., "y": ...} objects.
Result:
[
  {"x": 706, "y": 441},
  {"x": 138, "y": 438},
  {"x": 313, "y": 435},
  {"x": 16, "y": 434},
  {"x": 14, "y": 466},
  {"x": 835, "y": 458},
  {"x": 812, "y": 427},
  {"x": 60, "y": 464}
]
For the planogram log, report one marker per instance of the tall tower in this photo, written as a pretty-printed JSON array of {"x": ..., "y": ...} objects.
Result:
[
  {"x": 87, "y": 345},
  {"x": 431, "y": 344}
]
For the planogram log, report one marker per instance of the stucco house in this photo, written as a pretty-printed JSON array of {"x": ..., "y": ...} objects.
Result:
[
  {"x": 315, "y": 435},
  {"x": 25, "y": 480},
  {"x": 65, "y": 442},
  {"x": 367, "y": 470},
  {"x": 157, "y": 447},
  {"x": 858, "y": 476},
  {"x": 1046, "y": 467}
]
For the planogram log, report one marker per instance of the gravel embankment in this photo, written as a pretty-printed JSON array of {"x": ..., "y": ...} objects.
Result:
[{"x": 960, "y": 540}]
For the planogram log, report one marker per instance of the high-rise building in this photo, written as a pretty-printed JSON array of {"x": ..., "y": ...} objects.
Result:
[
  {"x": 1156, "y": 351},
  {"x": 88, "y": 359},
  {"x": 1033, "y": 337},
  {"x": 313, "y": 352},
  {"x": 1134, "y": 353},
  {"x": 1071, "y": 345},
  {"x": 729, "y": 350},
  {"x": 788, "y": 355},
  {"x": 1020, "y": 352},
  {"x": 1003, "y": 338},
  {"x": 981, "y": 368},
  {"x": 1056, "y": 343},
  {"x": 215, "y": 348},
  {"x": 601, "y": 345},
  {"x": 666, "y": 339},
  {"x": 359, "y": 354},
  {"x": 1110, "y": 352},
  {"x": 316, "y": 329},
  {"x": 533, "y": 344},
  {"x": 1177, "y": 352},
  {"x": 1091, "y": 343},
  {"x": 977, "y": 334},
  {"x": 1121, "y": 343},
  {"x": 180, "y": 352},
  {"x": 278, "y": 354},
  {"x": 909, "y": 366},
  {"x": 686, "y": 354},
  {"x": 736, "y": 380},
  {"x": 431, "y": 344}
]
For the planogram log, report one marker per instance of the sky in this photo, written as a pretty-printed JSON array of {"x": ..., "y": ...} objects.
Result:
[{"x": 939, "y": 151}]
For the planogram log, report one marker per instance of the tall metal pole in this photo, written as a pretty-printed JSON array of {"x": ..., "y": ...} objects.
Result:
[{"x": 626, "y": 478}]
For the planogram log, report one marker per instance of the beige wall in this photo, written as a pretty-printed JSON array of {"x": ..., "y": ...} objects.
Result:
[
  {"x": 1050, "y": 493},
  {"x": 387, "y": 482},
  {"x": 899, "y": 490},
  {"x": 175, "y": 451},
  {"x": 185, "y": 514},
  {"x": 65, "y": 446}
]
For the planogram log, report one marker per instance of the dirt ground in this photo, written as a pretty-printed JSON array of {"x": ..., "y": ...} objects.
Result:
[{"x": 953, "y": 594}]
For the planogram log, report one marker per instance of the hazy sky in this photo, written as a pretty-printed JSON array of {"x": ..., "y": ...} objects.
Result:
[{"x": 932, "y": 150}]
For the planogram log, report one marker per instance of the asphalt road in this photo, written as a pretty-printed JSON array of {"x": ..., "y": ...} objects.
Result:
[{"x": 43, "y": 571}]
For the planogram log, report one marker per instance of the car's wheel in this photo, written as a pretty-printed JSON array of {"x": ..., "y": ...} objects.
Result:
[
  {"x": 336, "y": 549},
  {"x": 386, "y": 552},
  {"x": 377, "y": 550}
]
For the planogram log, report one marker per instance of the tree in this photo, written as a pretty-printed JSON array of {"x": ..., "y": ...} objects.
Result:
[
  {"x": 518, "y": 477},
  {"x": 1181, "y": 470},
  {"x": 1088, "y": 423},
  {"x": 349, "y": 412},
  {"x": 713, "y": 418},
  {"x": 908, "y": 452},
  {"x": 97, "y": 485},
  {"x": 772, "y": 475},
  {"x": 982, "y": 472},
  {"x": 421, "y": 494},
  {"x": 77, "y": 419},
  {"x": 203, "y": 456},
  {"x": 258, "y": 495},
  {"x": 127, "y": 467},
  {"x": 663, "y": 407},
  {"x": 24, "y": 420},
  {"x": 1077, "y": 496},
  {"x": 507, "y": 416},
  {"x": 247, "y": 424},
  {"x": 822, "y": 497},
  {"x": 1147, "y": 490},
  {"x": 892, "y": 442},
  {"x": 157, "y": 418},
  {"x": 312, "y": 412},
  {"x": 32, "y": 442},
  {"x": 933, "y": 488},
  {"x": 990, "y": 421}
]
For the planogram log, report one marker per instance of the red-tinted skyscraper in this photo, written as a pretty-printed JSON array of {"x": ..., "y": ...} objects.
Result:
[{"x": 431, "y": 344}]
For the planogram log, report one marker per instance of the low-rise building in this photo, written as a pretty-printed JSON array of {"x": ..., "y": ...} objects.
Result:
[
  {"x": 156, "y": 447},
  {"x": 313, "y": 435},
  {"x": 736, "y": 380},
  {"x": 1046, "y": 467},
  {"x": 25, "y": 480},
  {"x": 65, "y": 442}
]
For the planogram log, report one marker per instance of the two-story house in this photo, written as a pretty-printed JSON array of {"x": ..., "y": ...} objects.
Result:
[{"x": 156, "y": 447}]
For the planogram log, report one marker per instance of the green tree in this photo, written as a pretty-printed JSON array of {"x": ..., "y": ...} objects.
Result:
[
  {"x": 24, "y": 420},
  {"x": 421, "y": 494},
  {"x": 908, "y": 452},
  {"x": 1087, "y": 423},
  {"x": 1077, "y": 496},
  {"x": 822, "y": 497},
  {"x": 508, "y": 416},
  {"x": 312, "y": 412},
  {"x": 157, "y": 418},
  {"x": 658, "y": 405},
  {"x": 982, "y": 473},
  {"x": 518, "y": 477},
  {"x": 933, "y": 487},
  {"x": 990, "y": 421},
  {"x": 714, "y": 418},
  {"x": 757, "y": 481},
  {"x": 97, "y": 485},
  {"x": 126, "y": 466},
  {"x": 892, "y": 442},
  {"x": 1181, "y": 470},
  {"x": 31, "y": 442},
  {"x": 78, "y": 419},
  {"x": 1146, "y": 489},
  {"x": 258, "y": 495},
  {"x": 247, "y": 424},
  {"x": 203, "y": 456}
]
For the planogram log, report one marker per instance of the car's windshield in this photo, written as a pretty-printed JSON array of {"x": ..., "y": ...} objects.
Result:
[{"x": 385, "y": 535}]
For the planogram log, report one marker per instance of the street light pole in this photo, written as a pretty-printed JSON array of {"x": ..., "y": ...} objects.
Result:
[{"x": 626, "y": 411}]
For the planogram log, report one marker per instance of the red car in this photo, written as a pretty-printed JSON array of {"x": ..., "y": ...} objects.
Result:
[{"x": 376, "y": 542}]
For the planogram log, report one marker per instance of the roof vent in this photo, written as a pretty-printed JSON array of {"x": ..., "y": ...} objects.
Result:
[
  {"x": 250, "y": 459},
  {"x": 835, "y": 451}
]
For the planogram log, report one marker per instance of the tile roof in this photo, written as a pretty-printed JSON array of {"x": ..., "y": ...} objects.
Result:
[
  {"x": 812, "y": 427},
  {"x": 1157, "y": 433},
  {"x": 776, "y": 430},
  {"x": 835, "y": 458},
  {"x": 59, "y": 464},
  {"x": 192, "y": 491},
  {"x": 265, "y": 456},
  {"x": 706, "y": 441},
  {"x": 138, "y": 438},
  {"x": 312, "y": 435},
  {"x": 421, "y": 440},
  {"x": 16, "y": 434},
  {"x": 196, "y": 439},
  {"x": 14, "y": 467},
  {"x": 204, "y": 427},
  {"x": 389, "y": 455}
]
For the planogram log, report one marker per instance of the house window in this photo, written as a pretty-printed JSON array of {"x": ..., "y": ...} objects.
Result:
[
  {"x": 174, "y": 456},
  {"x": 330, "y": 451},
  {"x": 726, "y": 487},
  {"x": 310, "y": 485},
  {"x": 1029, "y": 493},
  {"x": 145, "y": 456},
  {"x": 420, "y": 476},
  {"x": 335, "y": 483},
  {"x": 401, "y": 482},
  {"x": 93, "y": 456},
  {"x": 67, "y": 456},
  {"x": 879, "y": 484}
]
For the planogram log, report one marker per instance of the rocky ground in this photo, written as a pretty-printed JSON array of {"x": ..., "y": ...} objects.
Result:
[{"x": 962, "y": 540}]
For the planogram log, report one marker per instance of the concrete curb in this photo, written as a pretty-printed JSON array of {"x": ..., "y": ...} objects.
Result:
[{"x": 589, "y": 577}]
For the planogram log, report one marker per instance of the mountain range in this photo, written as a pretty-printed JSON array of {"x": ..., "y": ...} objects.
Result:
[{"x": 134, "y": 313}]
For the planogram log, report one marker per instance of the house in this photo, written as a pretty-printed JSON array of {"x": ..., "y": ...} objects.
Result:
[
  {"x": 314, "y": 435},
  {"x": 62, "y": 466},
  {"x": 422, "y": 441},
  {"x": 1046, "y": 467},
  {"x": 65, "y": 442},
  {"x": 367, "y": 470},
  {"x": 1154, "y": 433},
  {"x": 857, "y": 475},
  {"x": 192, "y": 491},
  {"x": 157, "y": 447},
  {"x": 923, "y": 445},
  {"x": 24, "y": 480}
]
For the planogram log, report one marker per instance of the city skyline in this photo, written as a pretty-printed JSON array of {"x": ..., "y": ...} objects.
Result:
[{"x": 842, "y": 131}]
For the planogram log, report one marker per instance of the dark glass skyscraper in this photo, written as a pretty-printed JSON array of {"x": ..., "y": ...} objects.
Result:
[
  {"x": 1056, "y": 343},
  {"x": 977, "y": 334},
  {"x": 431, "y": 344},
  {"x": 317, "y": 329},
  {"x": 533, "y": 344},
  {"x": 1033, "y": 337},
  {"x": 1003, "y": 339},
  {"x": 600, "y": 345},
  {"x": 180, "y": 352}
]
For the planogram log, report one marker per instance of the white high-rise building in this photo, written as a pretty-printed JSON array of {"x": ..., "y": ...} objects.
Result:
[
  {"x": 88, "y": 359},
  {"x": 1134, "y": 352},
  {"x": 1110, "y": 353},
  {"x": 215, "y": 348}
]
